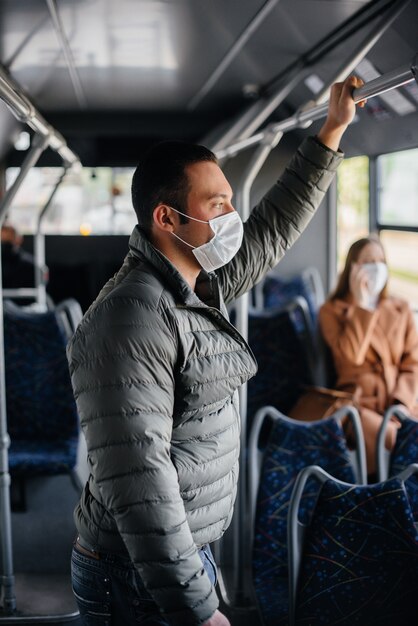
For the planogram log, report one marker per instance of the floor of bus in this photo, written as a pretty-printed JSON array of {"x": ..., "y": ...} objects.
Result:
[{"x": 42, "y": 538}]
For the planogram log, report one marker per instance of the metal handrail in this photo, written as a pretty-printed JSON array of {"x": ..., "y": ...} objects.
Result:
[
  {"x": 25, "y": 112},
  {"x": 252, "y": 119},
  {"x": 303, "y": 118},
  {"x": 45, "y": 135}
]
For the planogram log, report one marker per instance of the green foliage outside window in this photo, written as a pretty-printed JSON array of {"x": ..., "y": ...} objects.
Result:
[{"x": 352, "y": 203}]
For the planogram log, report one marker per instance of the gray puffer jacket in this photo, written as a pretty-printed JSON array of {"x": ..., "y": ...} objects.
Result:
[{"x": 155, "y": 368}]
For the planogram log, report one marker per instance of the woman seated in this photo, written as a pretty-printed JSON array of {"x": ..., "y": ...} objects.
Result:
[{"x": 373, "y": 340}]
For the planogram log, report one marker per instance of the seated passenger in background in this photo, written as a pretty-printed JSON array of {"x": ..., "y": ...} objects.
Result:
[
  {"x": 373, "y": 340},
  {"x": 18, "y": 266}
]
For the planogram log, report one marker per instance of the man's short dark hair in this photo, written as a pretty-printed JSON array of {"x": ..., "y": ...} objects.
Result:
[{"x": 161, "y": 178}]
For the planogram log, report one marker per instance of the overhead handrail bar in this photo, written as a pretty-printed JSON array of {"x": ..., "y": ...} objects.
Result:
[
  {"x": 66, "y": 49},
  {"x": 363, "y": 48},
  {"x": 251, "y": 119},
  {"x": 25, "y": 112},
  {"x": 364, "y": 15},
  {"x": 303, "y": 118}
]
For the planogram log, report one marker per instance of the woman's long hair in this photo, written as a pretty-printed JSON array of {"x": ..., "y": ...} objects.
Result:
[{"x": 342, "y": 289}]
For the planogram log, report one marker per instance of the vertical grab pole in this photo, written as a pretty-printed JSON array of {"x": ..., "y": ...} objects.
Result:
[
  {"x": 242, "y": 596},
  {"x": 7, "y": 575},
  {"x": 7, "y": 581},
  {"x": 38, "y": 146},
  {"x": 39, "y": 245}
]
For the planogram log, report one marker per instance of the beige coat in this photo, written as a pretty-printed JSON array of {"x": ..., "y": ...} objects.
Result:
[
  {"x": 376, "y": 359},
  {"x": 375, "y": 352}
]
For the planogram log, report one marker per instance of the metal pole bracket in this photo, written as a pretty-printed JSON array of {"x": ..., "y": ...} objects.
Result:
[
  {"x": 414, "y": 67},
  {"x": 272, "y": 137}
]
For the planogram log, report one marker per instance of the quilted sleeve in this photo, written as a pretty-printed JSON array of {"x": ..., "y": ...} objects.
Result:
[{"x": 280, "y": 217}]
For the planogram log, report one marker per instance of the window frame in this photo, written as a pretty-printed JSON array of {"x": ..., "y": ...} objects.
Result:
[{"x": 375, "y": 225}]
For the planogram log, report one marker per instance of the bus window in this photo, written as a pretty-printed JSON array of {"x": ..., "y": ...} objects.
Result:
[
  {"x": 398, "y": 188},
  {"x": 352, "y": 204},
  {"x": 92, "y": 201},
  {"x": 401, "y": 251},
  {"x": 397, "y": 219}
]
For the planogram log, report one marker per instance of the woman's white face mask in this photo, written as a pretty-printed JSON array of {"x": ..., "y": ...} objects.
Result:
[
  {"x": 227, "y": 230},
  {"x": 377, "y": 276}
]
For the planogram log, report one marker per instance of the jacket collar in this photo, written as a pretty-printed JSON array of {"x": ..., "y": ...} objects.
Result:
[{"x": 206, "y": 284}]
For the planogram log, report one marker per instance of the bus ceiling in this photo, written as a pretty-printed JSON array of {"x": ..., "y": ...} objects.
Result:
[{"x": 112, "y": 83}]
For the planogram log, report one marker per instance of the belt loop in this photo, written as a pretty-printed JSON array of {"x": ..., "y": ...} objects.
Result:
[{"x": 90, "y": 553}]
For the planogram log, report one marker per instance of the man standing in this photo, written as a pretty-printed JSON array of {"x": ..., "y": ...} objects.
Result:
[{"x": 155, "y": 367}]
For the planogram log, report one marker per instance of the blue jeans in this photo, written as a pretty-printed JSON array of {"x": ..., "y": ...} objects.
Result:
[{"x": 109, "y": 591}]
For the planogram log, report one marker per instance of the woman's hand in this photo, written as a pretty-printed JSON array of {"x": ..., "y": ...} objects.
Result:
[{"x": 359, "y": 285}]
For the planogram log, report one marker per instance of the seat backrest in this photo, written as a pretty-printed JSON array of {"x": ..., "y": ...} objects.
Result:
[
  {"x": 278, "y": 291},
  {"x": 406, "y": 446},
  {"x": 325, "y": 372},
  {"x": 403, "y": 454},
  {"x": 405, "y": 451},
  {"x": 39, "y": 398},
  {"x": 306, "y": 285},
  {"x": 358, "y": 559},
  {"x": 277, "y": 339},
  {"x": 70, "y": 314},
  {"x": 292, "y": 445}
]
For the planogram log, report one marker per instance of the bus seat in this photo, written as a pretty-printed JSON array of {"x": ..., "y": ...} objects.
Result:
[
  {"x": 325, "y": 373},
  {"x": 273, "y": 468},
  {"x": 71, "y": 315},
  {"x": 405, "y": 451},
  {"x": 42, "y": 418},
  {"x": 280, "y": 339},
  {"x": 308, "y": 284},
  {"x": 357, "y": 559}
]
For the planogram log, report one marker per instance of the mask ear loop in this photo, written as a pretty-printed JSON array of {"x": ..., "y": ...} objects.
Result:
[
  {"x": 182, "y": 240},
  {"x": 188, "y": 216}
]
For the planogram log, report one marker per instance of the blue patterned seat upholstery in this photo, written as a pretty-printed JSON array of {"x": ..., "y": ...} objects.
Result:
[
  {"x": 291, "y": 447},
  {"x": 360, "y": 557},
  {"x": 277, "y": 292},
  {"x": 282, "y": 364},
  {"x": 42, "y": 418},
  {"x": 404, "y": 453}
]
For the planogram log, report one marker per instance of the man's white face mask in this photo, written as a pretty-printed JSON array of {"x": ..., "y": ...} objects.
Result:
[
  {"x": 228, "y": 231},
  {"x": 377, "y": 276}
]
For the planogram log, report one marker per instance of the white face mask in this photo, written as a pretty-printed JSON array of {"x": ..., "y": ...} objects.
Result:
[
  {"x": 228, "y": 231},
  {"x": 377, "y": 276}
]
